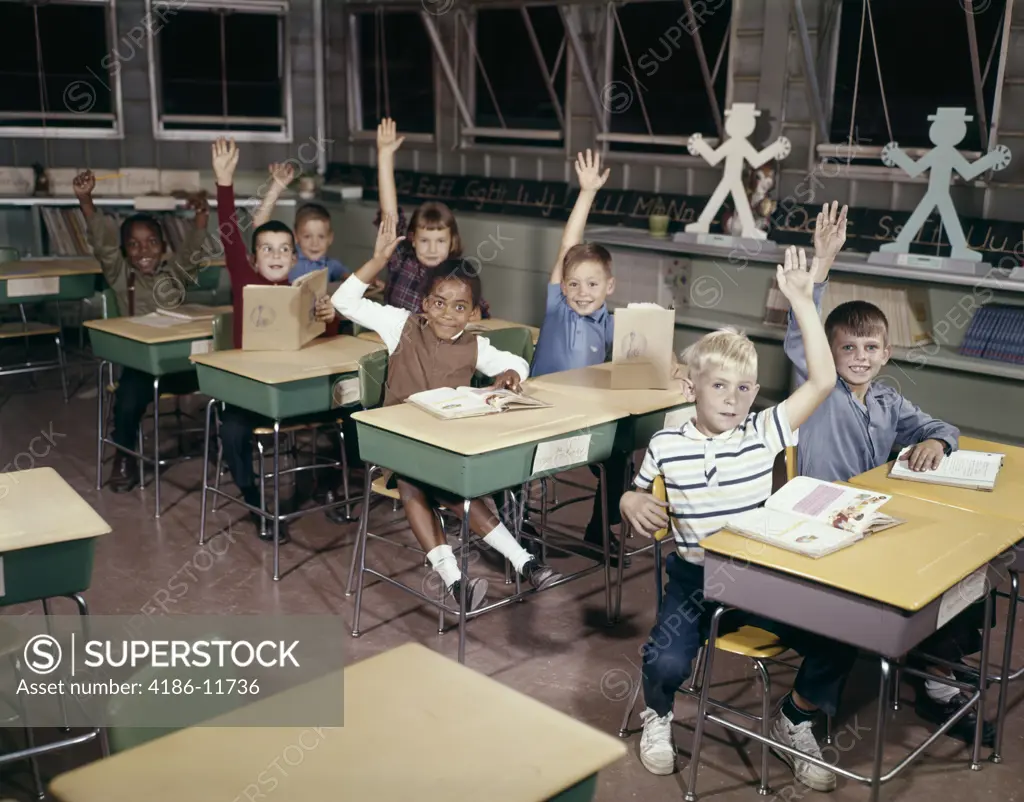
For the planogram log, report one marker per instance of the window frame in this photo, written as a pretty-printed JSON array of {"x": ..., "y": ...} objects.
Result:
[
  {"x": 843, "y": 150},
  {"x": 277, "y": 8},
  {"x": 353, "y": 77},
  {"x": 116, "y": 117},
  {"x": 662, "y": 140}
]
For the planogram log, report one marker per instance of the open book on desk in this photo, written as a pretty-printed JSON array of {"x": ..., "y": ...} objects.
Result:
[
  {"x": 814, "y": 518},
  {"x": 188, "y": 312},
  {"x": 974, "y": 470},
  {"x": 470, "y": 402}
]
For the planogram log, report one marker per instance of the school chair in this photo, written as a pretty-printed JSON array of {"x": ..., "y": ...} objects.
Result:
[
  {"x": 25, "y": 329},
  {"x": 762, "y": 648},
  {"x": 223, "y": 340}
]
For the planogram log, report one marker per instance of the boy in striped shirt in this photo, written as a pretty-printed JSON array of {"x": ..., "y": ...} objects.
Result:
[{"x": 714, "y": 466}]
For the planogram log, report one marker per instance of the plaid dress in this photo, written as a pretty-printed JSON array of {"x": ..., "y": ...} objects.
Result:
[{"x": 406, "y": 274}]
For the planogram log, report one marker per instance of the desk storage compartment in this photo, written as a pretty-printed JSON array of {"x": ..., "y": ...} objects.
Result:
[
  {"x": 71, "y": 288},
  {"x": 157, "y": 359},
  {"x": 278, "y": 401},
  {"x": 41, "y": 572}
]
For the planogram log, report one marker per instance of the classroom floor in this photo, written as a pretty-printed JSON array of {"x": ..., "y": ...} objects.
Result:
[{"x": 555, "y": 648}]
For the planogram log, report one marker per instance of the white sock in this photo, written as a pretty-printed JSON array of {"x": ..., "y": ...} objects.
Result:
[
  {"x": 442, "y": 559},
  {"x": 939, "y": 691},
  {"x": 501, "y": 539}
]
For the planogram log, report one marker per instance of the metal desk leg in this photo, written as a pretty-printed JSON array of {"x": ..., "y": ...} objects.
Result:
[
  {"x": 277, "y": 500},
  {"x": 884, "y": 684},
  {"x": 462, "y": 584},
  {"x": 100, "y": 420},
  {"x": 1004, "y": 670},
  {"x": 982, "y": 684},
  {"x": 206, "y": 470},
  {"x": 156, "y": 443},
  {"x": 359, "y": 554},
  {"x": 602, "y": 488},
  {"x": 702, "y": 705}
]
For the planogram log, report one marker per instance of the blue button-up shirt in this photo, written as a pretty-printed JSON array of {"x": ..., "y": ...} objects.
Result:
[
  {"x": 336, "y": 271},
  {"x": 844, "y": 438},
  {"x": 568, "y": 339}
]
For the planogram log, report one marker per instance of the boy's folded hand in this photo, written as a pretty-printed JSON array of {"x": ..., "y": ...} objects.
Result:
[
  {"x": 324, "y": 310},
  {"x": 645, "y": 513},
  {"x": 925, "y": 456},
  {"x": 509, "y": 380}
]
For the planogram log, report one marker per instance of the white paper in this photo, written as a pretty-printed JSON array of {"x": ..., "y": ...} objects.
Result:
[
  {"x": 346, "y": 393},
  {"x": 961, "y": 596},
  {"x": 157, "y": 321},
  {"x": 24, "y": 287},
  {"x": 677, "y": 417},
  {"x": 201, "y": 346},
  {"x": 976, "y": 466},
  {"x": 561, "y": 453}
]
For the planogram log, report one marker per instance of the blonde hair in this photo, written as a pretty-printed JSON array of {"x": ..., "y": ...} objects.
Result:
[{"x": 726, "y": 348}]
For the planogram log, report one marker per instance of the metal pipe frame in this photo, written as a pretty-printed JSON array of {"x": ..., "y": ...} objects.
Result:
[
  {"x": 705, "y": 72},
  {"x": 446, "y": 68},
  {"x": 573, "y": 30},
  {"x": 810, "y": 71},
  {"x": 979, "y": 92},
  {"x": 997, "y": 100}
]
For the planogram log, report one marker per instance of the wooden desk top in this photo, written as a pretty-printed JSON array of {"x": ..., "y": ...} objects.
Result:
[
  {"x": 38, "y": 508},
  {"x": 906, "y": 567},
  {"x": 491, "y": 324},
  {"x": 45, "y": 268},
  {"x": 480, "y": 435},
  {"x": 1004, "y": 501},
  {"x": 321, "y": 357},
  {"x": 151, "y": 335},
  {"x": 597, "y": 382},
  {"x": 404, "y": 711}
]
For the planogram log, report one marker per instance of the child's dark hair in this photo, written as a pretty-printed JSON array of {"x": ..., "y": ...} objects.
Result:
[
  {"x": 140, "y": 220},
  {"x": 434, "y": 216},
  {"x": 857, "y": 318},
  {"x": 587, "y": 252},
  {"x": 311, "y": 211},
  {"x": 272, "y": 227},
  {"x": 454, "y": 270}
]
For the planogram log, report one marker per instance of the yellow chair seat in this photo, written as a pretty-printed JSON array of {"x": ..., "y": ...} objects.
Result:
[
  {"x": 30, "y": 329},
  {"x": 380, "y": 487},
  {"x": 752, "y": 642},
  {"x": 268, "y": 431},
  {"x": 111, "y": 388}
]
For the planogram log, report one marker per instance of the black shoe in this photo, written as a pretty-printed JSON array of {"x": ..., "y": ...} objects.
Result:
[
  {"x": 336, "y": 515},
  {"x": 125, "y": 474},
  {"x": 596, "y": 539},
  {"x": 541, "y": 576},
  {"x": 252, "y": 498},
  {"x": 939, "y": 712},
  {"x": 476, "y": 591}
]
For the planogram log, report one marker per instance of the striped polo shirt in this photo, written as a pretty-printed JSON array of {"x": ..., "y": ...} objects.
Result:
[{"x": 710, "y": 479}]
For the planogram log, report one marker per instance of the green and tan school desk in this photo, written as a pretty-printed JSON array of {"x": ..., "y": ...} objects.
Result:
[
  {"x": 1005, "y": 501},
  {"x": 475, "y": 457},
  {"x": 491, "y": 324},
  {"x": 56, "y": 279},
  {"x": 47, "y": 543},
  {"x": 884, "y": 594},
  {"x": 155, "y": 344},
  {"x": 511, "y": 747},
  {"x": 281, "y": 385},
  {"x": 649, "y": 411}
]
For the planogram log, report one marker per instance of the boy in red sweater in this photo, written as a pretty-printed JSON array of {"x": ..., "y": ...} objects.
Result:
[{"x": 273, "y": 257}]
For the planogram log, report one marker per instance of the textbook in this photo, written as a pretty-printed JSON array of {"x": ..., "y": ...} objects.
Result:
[
  {"x": 814, "y": 518},
  {"x": 974, "y": 470},
  {"x": 470, "y": 402}
]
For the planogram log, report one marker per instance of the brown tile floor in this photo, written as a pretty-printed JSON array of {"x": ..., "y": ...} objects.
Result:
[{"x": 555, "y": 647}]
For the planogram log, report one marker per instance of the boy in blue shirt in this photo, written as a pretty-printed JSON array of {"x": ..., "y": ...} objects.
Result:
[{"x": 855, "y": 430}]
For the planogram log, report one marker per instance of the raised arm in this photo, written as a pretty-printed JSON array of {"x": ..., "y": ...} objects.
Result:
[
  {"x": 225, "y": 160},
  {"x": 281, "y": 175},
  {"x": 588, "y": 169},
  {"x": 100, "y": 230},
  {"x": 388, "y": 142},
  {"x": 797, "y": 284}
]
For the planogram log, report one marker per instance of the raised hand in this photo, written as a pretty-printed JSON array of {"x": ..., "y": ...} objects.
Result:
[
  {"x": 225, "y": 160},
  {"x": 84, "y": 184},
  {"x": 588, "y": 169},
  {"x": 388, "y": 140},
  {"x": 509, "y": 380},
  {"x": 201, "y": 206},
  {"x": 282, "y": 174},
  {"x": 386, "y": 239},
  {"x": 829, "y": 238},
  {"x": 324, "y": 310},
  {"x": 793, "y": 279}
]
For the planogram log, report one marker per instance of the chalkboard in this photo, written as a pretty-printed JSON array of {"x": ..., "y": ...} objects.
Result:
[{"x": 1002, "y": 242}]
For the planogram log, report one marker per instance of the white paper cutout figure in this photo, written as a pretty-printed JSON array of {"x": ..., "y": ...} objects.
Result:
[
  {"x": 949, "y": 127},
  {"x": 740, "y": 121}
]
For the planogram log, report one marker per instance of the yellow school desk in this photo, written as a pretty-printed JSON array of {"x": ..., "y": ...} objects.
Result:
[
  {"x": 1004, "y": 501},
  {"x": 884, "y": 594},
  {"x": 476, "y": 457},
  {"x": 281, "y": 385},
  {"x": 483, "y": 326},
  {"x": 156, "y": 350},
  {"x": 403, "y": 711},
  {"x": 649, "y": 411},
  {"x": 47, "y": 542}
]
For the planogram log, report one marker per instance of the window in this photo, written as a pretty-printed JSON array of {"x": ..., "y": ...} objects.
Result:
[
  {"x": 925, "y": 62},
  {"x": 220, "y": 69},
  {"x": 657, "y": 90},
  {"x": 393, "y": 60},
  {"x": 55, "y": 77},
  {"x": 515, "y": 86}
]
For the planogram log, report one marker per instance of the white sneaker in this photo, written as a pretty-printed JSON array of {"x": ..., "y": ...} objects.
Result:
[
  {"x": 657, "y": 752},
  {"x": 801, "y": 736}
]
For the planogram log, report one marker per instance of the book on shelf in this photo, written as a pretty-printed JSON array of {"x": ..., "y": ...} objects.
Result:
[
  {"x": 814, "y": 518},
  {"x": 974, "y": 470},
  {"x": 469, "y": 402},
  {"x": 68, "y": 232},
  {"x": 996, "y": 332},
  {"x": 906, "y": 308}
]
